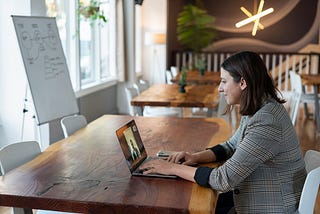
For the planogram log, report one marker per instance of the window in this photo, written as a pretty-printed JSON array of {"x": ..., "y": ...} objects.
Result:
[{"x": 89, "y": 46}]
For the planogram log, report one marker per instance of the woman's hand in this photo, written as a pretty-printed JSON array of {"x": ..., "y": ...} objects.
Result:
[
  {"x": 159, "y": 166},
  {"x": 164, "y": 167},
  {"x": 184, "y": 158}
]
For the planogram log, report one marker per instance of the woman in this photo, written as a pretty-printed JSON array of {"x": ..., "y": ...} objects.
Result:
[{"x": 263, "y": 162}]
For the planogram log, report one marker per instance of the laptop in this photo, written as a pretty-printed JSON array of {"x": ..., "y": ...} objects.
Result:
[{"x": 134, "y": 150}]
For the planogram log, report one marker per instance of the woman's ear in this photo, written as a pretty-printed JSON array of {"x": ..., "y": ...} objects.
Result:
[{"x": 243, "y": 84}]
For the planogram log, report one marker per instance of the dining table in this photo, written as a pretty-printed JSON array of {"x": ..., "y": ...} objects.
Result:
[
  {"x": 194, "y": 77},
  {"x": 168, "y": 95},
  {"x": 87, "y": 172}
]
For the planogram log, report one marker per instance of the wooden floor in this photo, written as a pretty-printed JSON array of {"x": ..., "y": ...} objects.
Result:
[{"x": 306, "y": 131}]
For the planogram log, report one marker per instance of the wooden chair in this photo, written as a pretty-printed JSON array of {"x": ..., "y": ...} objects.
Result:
[
  {"x": 71, "y": 124},
  {"x": 16, "y": 154}
]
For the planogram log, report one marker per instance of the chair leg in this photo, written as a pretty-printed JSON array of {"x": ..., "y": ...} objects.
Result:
[{"x": 306, "y": 113}]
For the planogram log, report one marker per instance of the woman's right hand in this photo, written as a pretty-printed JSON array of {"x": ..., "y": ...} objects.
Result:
[{"x": 184, "y": 158}]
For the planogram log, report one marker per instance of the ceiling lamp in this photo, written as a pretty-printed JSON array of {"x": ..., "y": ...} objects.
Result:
[{"x": 254, "y": 18}]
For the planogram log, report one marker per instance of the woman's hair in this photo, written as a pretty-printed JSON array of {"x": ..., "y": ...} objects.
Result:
[{"x": 260, "y": 85}]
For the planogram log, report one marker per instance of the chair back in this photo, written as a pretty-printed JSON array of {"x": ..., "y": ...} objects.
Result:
[
  {"x": 16, "y": 154},
  {"x": 311, "y": 185},
  {"x": 174, "y": 71},
  {"x": 295, "y": 95},
  {"x": 169, "y": 77},
  {"x": 71, "y": 124},
  {"x": 131, "y": 92},
  {"x": 309, "y": 192},
  {"x": 143, "y": 85},
  {"x": 312, "y": 160}
]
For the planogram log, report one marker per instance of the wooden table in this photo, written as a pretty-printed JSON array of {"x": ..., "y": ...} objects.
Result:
[
  {"x": 168, "y": 95},
  {"x": 87, "y": 172},
  {"x": 314, "y": 80},
  {"x": 194, "y": 77}
]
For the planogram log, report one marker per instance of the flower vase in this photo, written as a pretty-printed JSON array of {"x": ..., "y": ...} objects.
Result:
[
  {"x": 202, "y": 71},
  {"x": 182, "y": 88}
]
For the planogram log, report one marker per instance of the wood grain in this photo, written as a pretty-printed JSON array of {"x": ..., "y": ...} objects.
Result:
[{"x": 87, "y": 173}]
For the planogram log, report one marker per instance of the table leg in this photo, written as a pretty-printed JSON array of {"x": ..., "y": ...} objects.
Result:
[
  {"x": 139, "y": 110},
  {"x": 316, "y": 107},
  {"x": 305, "y": 105},
  {"x": 210, "y": 112}
]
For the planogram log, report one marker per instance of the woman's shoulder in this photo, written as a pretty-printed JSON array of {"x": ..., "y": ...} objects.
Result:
[
  {"x": 271, "y": 106},
  {"x": 270, "y": 112}
]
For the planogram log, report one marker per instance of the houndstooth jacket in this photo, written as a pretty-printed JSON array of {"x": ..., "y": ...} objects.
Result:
[{"x": 265, "y": 168}]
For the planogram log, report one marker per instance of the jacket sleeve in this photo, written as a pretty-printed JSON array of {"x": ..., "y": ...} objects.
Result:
[
  {"x": 222, "y": 152},
  {"x": 225, "y": 150},
  {"x": 261, "y": 141}
]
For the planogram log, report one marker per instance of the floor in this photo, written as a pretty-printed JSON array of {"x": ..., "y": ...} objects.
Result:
[{"x": 306, "y": 131}]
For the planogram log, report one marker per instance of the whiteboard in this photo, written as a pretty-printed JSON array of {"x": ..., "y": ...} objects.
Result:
[{"x": 46, "y": 67}]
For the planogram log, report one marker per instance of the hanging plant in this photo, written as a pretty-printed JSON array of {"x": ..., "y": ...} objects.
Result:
[{"x": 91, "y": 12}]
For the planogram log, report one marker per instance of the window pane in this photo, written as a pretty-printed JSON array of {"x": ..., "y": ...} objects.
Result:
[
  {"x": 105, "y": 47},
  {"x": 56, "y": 8},
  {"x": 86, "y": 52}
]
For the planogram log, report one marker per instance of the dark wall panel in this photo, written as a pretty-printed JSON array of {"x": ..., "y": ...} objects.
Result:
[{"x": 293, "y": 25}]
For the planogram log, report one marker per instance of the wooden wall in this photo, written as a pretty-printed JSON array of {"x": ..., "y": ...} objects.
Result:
[{"x": 293, "y": 25}]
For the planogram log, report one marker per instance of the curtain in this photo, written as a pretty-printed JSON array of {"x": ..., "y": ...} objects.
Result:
[{"x": 120, "y": 42}]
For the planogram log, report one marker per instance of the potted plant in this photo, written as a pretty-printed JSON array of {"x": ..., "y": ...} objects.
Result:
[
  {"x": 91, "y": 11},
  {"x": 195, "y": 29},
  {"x": 182, "y": 80},
  {"x": 201, "y": 65}
]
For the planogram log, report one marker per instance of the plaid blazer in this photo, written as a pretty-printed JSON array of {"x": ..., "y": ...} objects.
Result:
[{"x": 265, "y": 168}]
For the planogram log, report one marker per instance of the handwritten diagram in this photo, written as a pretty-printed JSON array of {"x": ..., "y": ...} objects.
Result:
[{"x": 40, "y": 47}]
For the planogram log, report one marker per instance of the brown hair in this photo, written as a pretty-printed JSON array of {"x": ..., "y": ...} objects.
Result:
[{"x": 260, "y": 85}]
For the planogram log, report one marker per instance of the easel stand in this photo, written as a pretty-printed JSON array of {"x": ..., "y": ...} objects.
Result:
[{"x": 40, "y": 132}]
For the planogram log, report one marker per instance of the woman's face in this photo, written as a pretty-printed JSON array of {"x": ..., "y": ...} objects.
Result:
[{"x": 230, "y": 89}]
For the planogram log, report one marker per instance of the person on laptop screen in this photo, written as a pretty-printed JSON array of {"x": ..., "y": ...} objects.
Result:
[{"x": 264, "y": 169}]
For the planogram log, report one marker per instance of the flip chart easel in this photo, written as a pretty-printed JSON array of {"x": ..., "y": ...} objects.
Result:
[{"x": 46, "y": 67}]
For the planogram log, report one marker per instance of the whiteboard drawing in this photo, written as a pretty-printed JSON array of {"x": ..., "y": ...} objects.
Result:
[{"x": 37, "y": 43}]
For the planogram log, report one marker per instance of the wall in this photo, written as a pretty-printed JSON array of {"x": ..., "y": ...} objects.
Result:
[
  {"x": 153, "y": 20},
  {"x": 13, "y": 81},
  {"x": 91, "y": 106},
  {"x": 291, "y": 26}
]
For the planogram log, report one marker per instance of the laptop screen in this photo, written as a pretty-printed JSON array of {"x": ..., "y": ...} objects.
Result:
[{"x": 131, "y": 145}]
